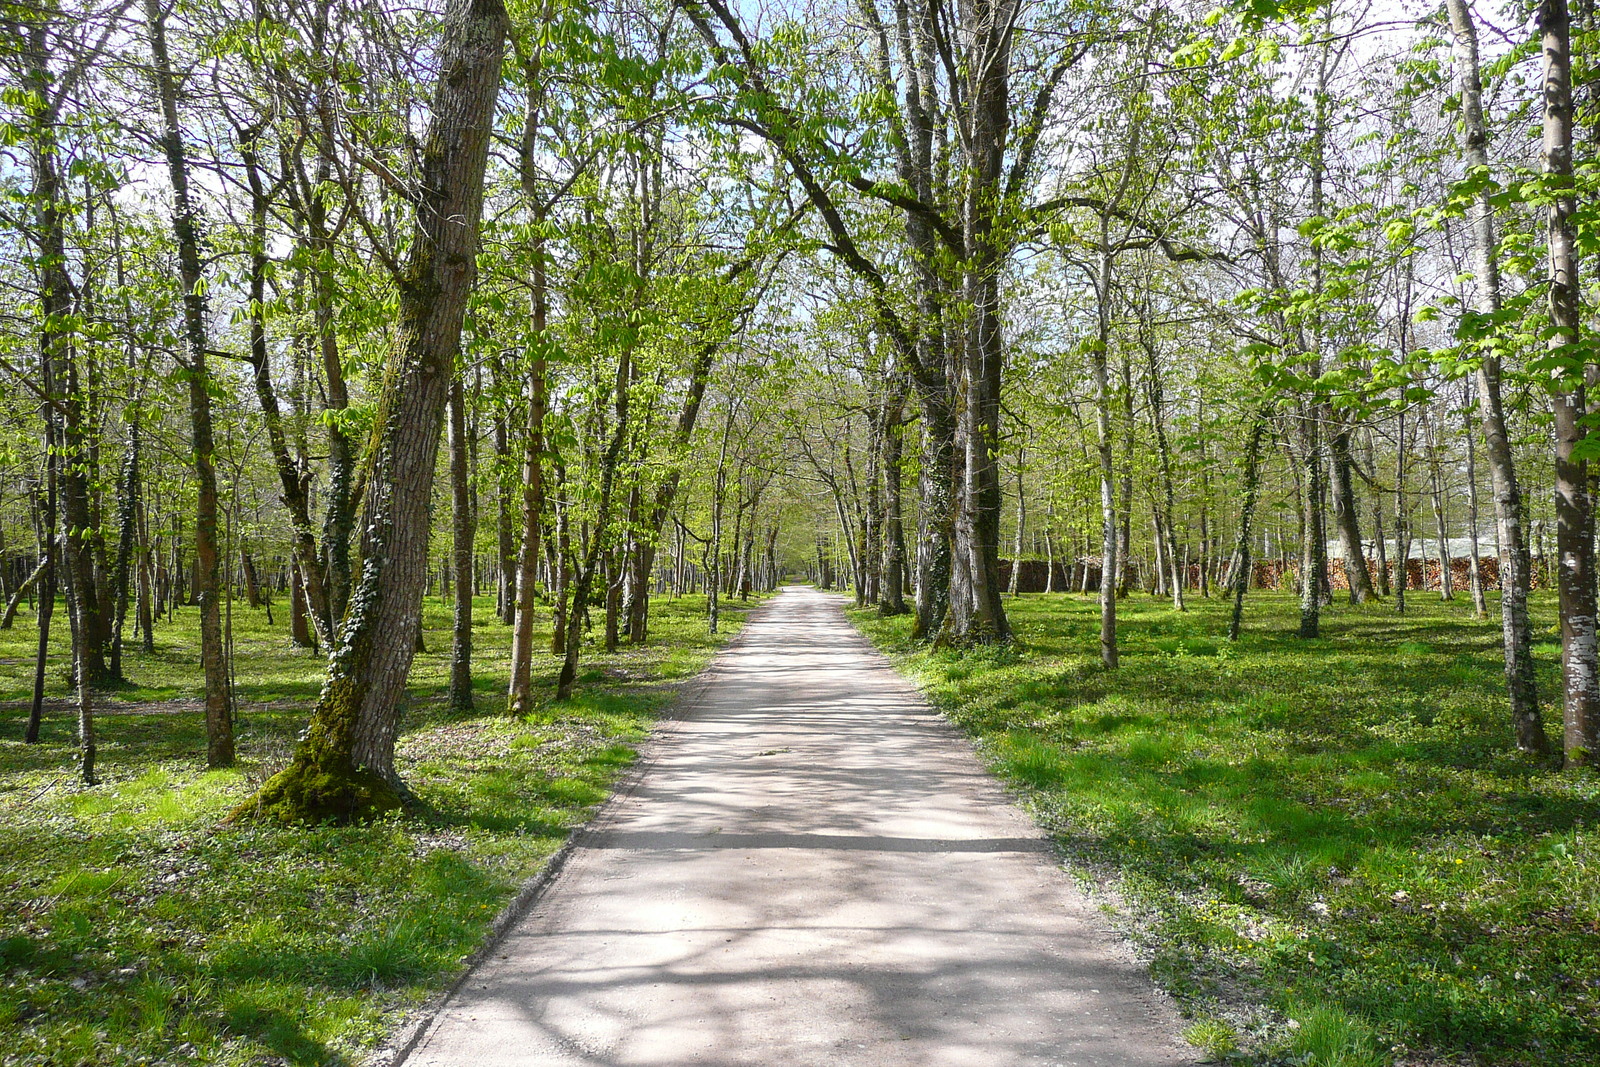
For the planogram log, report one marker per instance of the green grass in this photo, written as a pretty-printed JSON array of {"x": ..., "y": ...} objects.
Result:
[
  {"x": 1327, "y": 848},
  {"x": 133, "y": 930}
]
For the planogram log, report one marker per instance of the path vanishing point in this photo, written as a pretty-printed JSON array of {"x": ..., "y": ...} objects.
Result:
[{"x": 809, "y": 868}]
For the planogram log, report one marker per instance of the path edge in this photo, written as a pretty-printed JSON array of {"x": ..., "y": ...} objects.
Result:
[{"x": 409, "y": 1034}]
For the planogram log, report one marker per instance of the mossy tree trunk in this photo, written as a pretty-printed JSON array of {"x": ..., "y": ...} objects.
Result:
[{"x": 344, "y": 769}]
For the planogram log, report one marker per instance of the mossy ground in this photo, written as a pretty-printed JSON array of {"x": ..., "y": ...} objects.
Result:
[
  {"x": 134, "y": 929},
  {"x": 1327, "y": 848}
]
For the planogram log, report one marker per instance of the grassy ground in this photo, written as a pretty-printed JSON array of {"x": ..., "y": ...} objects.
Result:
[
  {"x": 1326, "y": 847},
  {"x": 134, "y": 931}
]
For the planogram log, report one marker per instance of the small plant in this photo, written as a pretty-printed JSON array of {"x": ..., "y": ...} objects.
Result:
[
  {"x": 1327, "y": 1037},
  {"x": 1213, "y": 1037}
]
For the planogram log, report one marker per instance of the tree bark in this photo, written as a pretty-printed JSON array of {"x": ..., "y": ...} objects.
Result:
[
  {"x": 1166, "y": 512},
  {"x": 505, "y": 538},
  {"x": 27, "y": 585},
  {"x": 300, "y": 634},
  {"x": 1313, "y": 550},
  {"x": 1402, "y": 520},
  {"x": 127, "y": 528},
  {"x": 520, "y": 692},
  {"x": 1378, "y": 534},
  {"x": 1436, "y": 489},
  {"x": 1018, "y": 542},
  {"x": 49, "y": 544}
]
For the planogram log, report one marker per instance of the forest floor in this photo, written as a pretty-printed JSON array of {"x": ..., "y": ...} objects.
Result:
[
  {"x": 135, "y": 931},
  {"x": 1327, "y": 849}
]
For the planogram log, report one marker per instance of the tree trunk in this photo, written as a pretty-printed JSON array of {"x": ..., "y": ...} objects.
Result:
[
  {"x": 563, "y": 572},
  {"x": 1164, "y": 569},
  {"x": 1480, "y": 609},
  {"x": 520, "y": 696},
  {"x": 1527, "y": 723},
  {"x": 1243, "y": 568},
  {"x": 300, "y": 634},
  {"x": 185, "y": 225},
  {"x": 1049, "y": 555},
  {"x": 1436, "y": 491},
  {"x": 505, "y": 538},
  {"x": 26, "y": 587},
  {"x": 1379, "y": 536},
  {"x": 463, "y": 530},
  {"x": 127, "y": 523},
  {"x": 1402, "y": 520},
  {"x": 252, "y": 583},
  {"x": 520, "y": 691},
  {"x": 1207, "y": 549},
  {"x": 344, "y": 768},
  {"x": 613, "y": 570},
  {"x": 1124, "y": 574},
  {"x": 1022, "y": 522},
  {"x": 49, "y": 546},
  {"x": 583, "y": 581},
  {"x": 1580, "y": 659},
  {"x": 1166, "y": 511},
  {"x": 932, "y": 596},
  {"x": 147, "y": 621},
  {"x": 1313, "y": 550},
  {"x": 1347, "y": 516},
  {"x": 976, "y": 613},
  {"x": 1108, "y": 502},
  {"x": 891, "y": 599}
]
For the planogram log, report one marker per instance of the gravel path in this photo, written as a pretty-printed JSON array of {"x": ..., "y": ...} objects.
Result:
[{"x": 811, "y": 868}]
